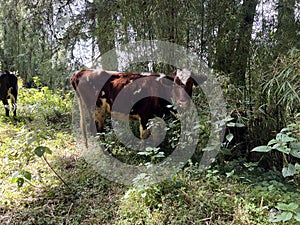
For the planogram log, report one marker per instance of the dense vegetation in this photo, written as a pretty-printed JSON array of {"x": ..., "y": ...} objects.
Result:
[{"x": 253, "y": 48}]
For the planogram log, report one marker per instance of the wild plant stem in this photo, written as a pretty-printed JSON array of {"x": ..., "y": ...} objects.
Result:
[{"x": 62, "y": 180}]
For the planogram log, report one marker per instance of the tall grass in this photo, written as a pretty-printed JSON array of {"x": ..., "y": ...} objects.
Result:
[{"x": 283, "y": 88}]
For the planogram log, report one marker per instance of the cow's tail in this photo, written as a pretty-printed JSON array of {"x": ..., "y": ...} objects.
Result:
[
  {"x": 82, "y": 120},
  {"x": 74, "y": 83},
  {"x": 11, "y": 96}
]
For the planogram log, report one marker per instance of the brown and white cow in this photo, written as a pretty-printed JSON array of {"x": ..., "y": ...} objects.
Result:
[
  {"x": 130, "y": 94},
  {"x": 9, "y": 90}
]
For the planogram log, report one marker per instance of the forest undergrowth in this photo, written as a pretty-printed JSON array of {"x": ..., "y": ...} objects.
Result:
[{"x": 46, "y": 180}]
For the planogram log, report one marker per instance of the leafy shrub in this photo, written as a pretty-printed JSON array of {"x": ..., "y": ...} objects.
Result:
[
  {"x": 285, "y": 212},
  {"x": 44, "y": 104},
  {"x": 286, "y": 143},
  {"x": 282, "y": 90}
]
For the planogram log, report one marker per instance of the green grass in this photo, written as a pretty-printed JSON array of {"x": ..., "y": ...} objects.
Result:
[{"x": 227, "y": 193}]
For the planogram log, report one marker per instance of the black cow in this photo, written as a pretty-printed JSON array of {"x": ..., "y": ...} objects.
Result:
[{"x": 9, "y": 90}]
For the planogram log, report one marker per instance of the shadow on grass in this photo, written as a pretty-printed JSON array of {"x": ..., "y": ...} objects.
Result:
[{"x": 91, "y": 200}]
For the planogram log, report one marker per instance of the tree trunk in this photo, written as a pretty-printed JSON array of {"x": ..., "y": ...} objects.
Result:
[
  {"x": 105, "y": 16},
  {"x": 242, "y": 50},
  {"x": 233, "y": 40},
  {"x": 287, "y": 29}
]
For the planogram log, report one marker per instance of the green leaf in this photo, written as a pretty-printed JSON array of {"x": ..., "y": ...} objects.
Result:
[
  {"x": 228, "y": 118},
  {"x": 48, "y": 151},
  {"x": 262, "y": 148},
  {"x": 143, "y": 153},
  {"x": 250, "y": 164},
  {"x": 274, "y": 218},
  {"x": 295, "y": 149},
  {"x": 284, "y": 138},
  {"x": 297, "y": 166},
  {"x": 290, "y": 127},
  {"x": 297, "y": 217},
  {"x": 284, "y": 130},
  {"x": 239, "y": 125},
  {"x": 229, "y": 174},
  {"x": 283, "y": 149},
  {"x": 15, "y": 177},
  {"x": 290, "y": 170},
  {"x": 231, "y": 124},
  {"x": 160, "y": 155},
  {"x": 229, "y": 137},
  {"x": 285, "y": 216},
  {"x": 20, "y": 181},
  {"x": 40, "y": 150},
  {"x": 272, "y": 142},
  {"x": 293, "y": 206},
  {"x": 27, "y": 175},
  {"x": 287, "y": 207}
]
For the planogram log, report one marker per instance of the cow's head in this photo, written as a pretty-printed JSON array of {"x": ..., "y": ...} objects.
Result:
[{"x": 183, "y": 84}]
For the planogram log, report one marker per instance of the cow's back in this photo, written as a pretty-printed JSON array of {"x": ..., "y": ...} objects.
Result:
[{"x": 147, "y": 95}]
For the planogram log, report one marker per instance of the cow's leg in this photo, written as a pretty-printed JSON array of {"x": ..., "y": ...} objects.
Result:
[
  {"x": 99, "y": 118},
  {"x": 5, "y": 103},
  {"x": 13, "y": 104},
  {"x": 157, "y": 131},
  {"x": 15, "y": 109},
  {"x": 12, "y": 95},
  {"x": 144, "y": 132},
  {"x": 14, "y": 101}
]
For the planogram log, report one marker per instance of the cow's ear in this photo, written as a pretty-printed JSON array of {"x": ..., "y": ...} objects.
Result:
[
  {"x": 175, "y": 72},
  {"x": 201, "y": 78}
]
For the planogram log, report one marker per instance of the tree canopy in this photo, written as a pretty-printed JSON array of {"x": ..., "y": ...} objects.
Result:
[{"x": 51, "y": 38}]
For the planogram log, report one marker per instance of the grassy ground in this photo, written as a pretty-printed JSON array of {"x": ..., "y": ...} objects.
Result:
[{"x": 227, "y": 193}]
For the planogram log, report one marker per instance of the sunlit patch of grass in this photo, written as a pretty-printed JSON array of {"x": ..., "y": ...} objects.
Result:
[
  {"x": 18, "y": 139},
  {"x": 17, "y": 154}
]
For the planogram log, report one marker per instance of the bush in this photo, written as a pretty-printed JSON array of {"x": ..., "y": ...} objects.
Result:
[
  {"x": 46, "y": 105},
  {"x": 282, "y": 90}
]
